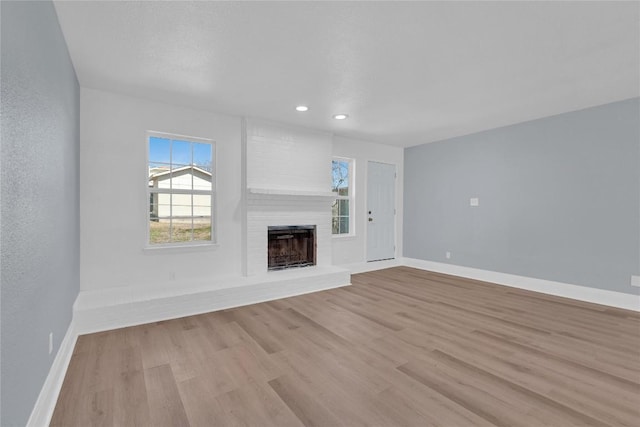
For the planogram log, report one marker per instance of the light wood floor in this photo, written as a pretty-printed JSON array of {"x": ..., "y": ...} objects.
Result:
[{"x": 400, "y": 347}]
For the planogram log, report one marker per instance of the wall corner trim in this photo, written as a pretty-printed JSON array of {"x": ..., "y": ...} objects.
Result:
[
  {"x": 565, "y": 290},
  {"x": 48, "y": 397}
]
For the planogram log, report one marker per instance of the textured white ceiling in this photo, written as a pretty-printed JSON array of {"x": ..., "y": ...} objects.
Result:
[{"x": 405, "y": 72}]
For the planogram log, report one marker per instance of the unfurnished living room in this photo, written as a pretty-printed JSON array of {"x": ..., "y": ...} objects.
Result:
[{"x": 320, "y": 213}]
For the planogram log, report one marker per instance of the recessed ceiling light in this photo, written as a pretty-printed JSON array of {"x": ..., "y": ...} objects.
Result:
[
  {"x": 340, "y": 116},
  {"x": 302, "y": 108}
]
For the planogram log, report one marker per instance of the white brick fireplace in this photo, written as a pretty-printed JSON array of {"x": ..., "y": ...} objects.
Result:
[
  {"x": 288, "y": 183},
  {"x": 264, "y": 210}
]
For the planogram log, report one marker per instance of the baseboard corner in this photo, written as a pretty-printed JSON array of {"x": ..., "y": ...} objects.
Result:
[{"x": 48, "y": 397}]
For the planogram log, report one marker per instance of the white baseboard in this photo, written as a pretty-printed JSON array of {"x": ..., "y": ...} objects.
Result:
[
  {"x": 364, "y": 267},
  {"x": 96, "y": 311},
  {"x": 580, "y": 293},
  {"x": 46, "y": 403}
]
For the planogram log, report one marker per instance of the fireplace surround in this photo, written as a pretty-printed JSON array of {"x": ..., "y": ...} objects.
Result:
[{"x": 291, "y": 246}]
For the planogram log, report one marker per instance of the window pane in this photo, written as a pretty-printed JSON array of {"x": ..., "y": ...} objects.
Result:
[
  {"x": 181, "y": 217},
  {"x": 159, "y": 150},
  {"x": 344, "y": 225},
  {"x": 202, "y": 156},
  {"x": 201, "y": 205},
  {"x": 158, "y": 231},
  {"x": 182, "y": 177},
  {"x": 160, "y": 205},
  {"x": 153, "y": 206},
  {"x": 202, "y": 228},
  {"x": 201, "y": 217},
  {"x": 181, "y": 229},
  {"x": 202, "y": 159},
  {"x": 202, "y": 179},
  {"x": 181, "y": 153},
  {"x": 340, "y": 216},
  {"x": 159, "y": 175},
  {"x": 159, "y": 218},
  {"x": 181, "y": 206},
  {"x": 340, "y": 225},
  {"x": 343, "y": 207},
  {"x": 335, "y": 225},
  {"x": 340, "y": 176}
]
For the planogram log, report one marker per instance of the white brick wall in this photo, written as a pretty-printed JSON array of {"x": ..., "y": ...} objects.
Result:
[{"x": 282, "y": 157}]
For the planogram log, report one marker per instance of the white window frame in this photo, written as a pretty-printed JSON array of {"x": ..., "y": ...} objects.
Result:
[
  {"x": 350, "y": 197},
  {"x": 213, "y": 193}
]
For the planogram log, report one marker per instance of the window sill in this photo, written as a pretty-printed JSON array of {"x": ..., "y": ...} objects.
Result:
[
  {"x": 195, "y": 247},
  {"x": 344, "y": 236}
]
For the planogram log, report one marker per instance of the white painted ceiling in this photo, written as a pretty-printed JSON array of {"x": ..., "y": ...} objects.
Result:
[{"x": 406, "y": 72}]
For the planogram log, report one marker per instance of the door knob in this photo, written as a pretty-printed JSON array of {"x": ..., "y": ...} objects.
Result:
[{"x": 370, "y": 219}]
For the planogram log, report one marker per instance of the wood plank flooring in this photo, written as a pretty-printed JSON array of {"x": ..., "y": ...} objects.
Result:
[{"x": 401, "y": 347}]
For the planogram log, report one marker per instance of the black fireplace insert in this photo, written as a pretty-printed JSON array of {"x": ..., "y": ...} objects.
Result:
[{"x": 291, "y": 246}]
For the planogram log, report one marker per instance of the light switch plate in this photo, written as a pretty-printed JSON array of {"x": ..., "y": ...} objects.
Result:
[{"x": 474, "y": 201}]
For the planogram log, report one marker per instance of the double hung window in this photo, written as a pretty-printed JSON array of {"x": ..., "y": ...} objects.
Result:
[
  {"x": 181, "y": 190},
  {"x": 342, "y": 186}
]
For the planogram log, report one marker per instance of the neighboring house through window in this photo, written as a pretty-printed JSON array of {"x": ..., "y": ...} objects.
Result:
[
  {"x": 342, "y": 208},
  {"x": 181, "y": 190}
]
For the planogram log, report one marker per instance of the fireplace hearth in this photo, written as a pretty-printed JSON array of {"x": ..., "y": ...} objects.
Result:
[{"x": 291, "y": 246}]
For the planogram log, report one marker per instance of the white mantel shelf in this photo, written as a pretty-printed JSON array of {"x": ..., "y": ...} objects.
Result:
[{"x": 288, "y": 193}]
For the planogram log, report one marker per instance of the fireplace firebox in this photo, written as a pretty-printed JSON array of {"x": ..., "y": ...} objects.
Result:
[{"x": 291, "y": 246}]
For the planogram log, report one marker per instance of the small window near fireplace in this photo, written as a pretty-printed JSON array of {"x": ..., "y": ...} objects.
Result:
[{"x": 291, "y": 246}]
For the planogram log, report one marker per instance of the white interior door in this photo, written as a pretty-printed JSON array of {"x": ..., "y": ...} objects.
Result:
[{"x": 381, "y": 210}]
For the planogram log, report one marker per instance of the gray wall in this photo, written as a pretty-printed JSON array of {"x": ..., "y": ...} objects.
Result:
[
  {"x": 559, "y": 198},
  {"x": 40, "y": 210}
]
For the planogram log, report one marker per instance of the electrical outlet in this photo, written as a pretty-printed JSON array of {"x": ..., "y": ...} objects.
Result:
[
  {"x": 50, "y": 342},
  {"x": 448, "y": 255},
  {"x": 474, "y": 201},
  {"x": 635, "y": 281}
]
